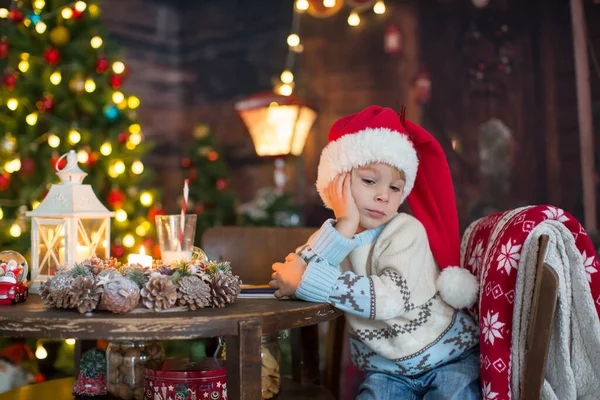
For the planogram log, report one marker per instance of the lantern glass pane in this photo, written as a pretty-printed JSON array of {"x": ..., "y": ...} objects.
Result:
[
  {"x": 305, "y": 122},
  {"x": 271, "y": 128},
  {"x": 51, "y": 239},
  {"x": 91, "y": 238}
]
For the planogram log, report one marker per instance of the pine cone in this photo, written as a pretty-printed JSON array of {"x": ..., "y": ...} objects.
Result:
[
  {"x": 159, "y": 293},
  {"x": 193, "y": 292},
  {"x": 225, "y": 288},
  {"x": 86, "y": 292},
  {"x": 94, "y": 264},
  {"x": 112, "y": 263},
  {"x": 55, "y": 292},
  {"x": 120, "y": 295}
]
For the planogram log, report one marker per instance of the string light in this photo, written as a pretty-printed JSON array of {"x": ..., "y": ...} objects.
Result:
[
  {"x": 66, "y": 13},
  {"x": 106, "y": 149},
  {"x": 141, "y": 230},
  {"x": 12, "y": 104},
  {"x": 55, "y": 78},
  {"x": 12, "y": 166},
  {"x": 1, "y": 213},
  {"x": 146, "y": 199},
  {"x": 74, "y": 136},
  {"x": 40, "y": 352},
  {"x": 329, "y": 3},
  {"x": 135, "y": 138},
  {"x": 119, "y": 167},
  {"x": 379, "y": 7},
  {"x": 39, "y": 4},
  {"x": 121, "y": 215},
  {"x": 301, "y": 5},
  {"x": 96, "y": 42},
  {"x": 83, "y": 156},
  {"x": 135, "y": 128},
  {"x": 35, "y": 204},
  {"x": 353, "y": 19},
  {"x": 25, "y": 56},
  {"x": 80, "y": 6},
  {"x": 40, "y": 27},
  {"x": 293, "y": 40},
  {"x": 3, "y": 13},
  {"x": 53, "y": 141},
  {"x": 128, "y": 241},
  {"x": 287, "y": 76},
  {"x": 70, "y": 342},
  {"x": 118, "y": 67},
  {"x": 133, "y": 102},
  {"x": 118, "y": 97},
  {"x": 285, "y": 89},
  {"x": 111, "y": 172},
  {"x": 89, "y": 85},
  {"x": 32, "y": 118},
  {"x": 24, "y": 66},
  {"x": 15, "y": 230},
  {"x": 94, "y": 10},
  {"x": 137, "y": 167}
]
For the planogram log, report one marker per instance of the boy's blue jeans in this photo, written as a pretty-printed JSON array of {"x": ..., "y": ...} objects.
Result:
[{"x": 456, "y": 380}]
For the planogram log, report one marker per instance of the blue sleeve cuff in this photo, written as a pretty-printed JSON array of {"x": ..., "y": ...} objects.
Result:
[
  {"x": 329, "y": 244},
  {"x": 317, "y": 283}
]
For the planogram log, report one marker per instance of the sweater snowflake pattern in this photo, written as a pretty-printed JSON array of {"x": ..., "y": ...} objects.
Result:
[{"x": 384, "y": 279}]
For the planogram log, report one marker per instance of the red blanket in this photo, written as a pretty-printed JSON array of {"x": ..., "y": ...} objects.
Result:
[{"x": 491, "y": 249}]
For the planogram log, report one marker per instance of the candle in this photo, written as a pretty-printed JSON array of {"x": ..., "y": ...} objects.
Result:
[
  {"x": 83, "y": 253},
  {"x": 142, "y": 259}
]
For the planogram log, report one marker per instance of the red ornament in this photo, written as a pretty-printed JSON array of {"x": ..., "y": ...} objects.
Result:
[
  {"x": 122, "y": 137},
  {"x": 52, "y": 56},
  {"x": 117, "y": 251},
  {"x": 78, "y": 15},
  {"x": 116, "y": 198},
  {"x": 4, "y": 181},
  {"x": 392, "y": 39},
  {"x": 92, "y": 159},
  {"x": 186, "y": 162},
  {"x": 10, "y": 81},
  {"x": 213, "y": 156},
  {"x": 101, "y": 65},
  {"x": 148, "y": 243},
  {"x": 423, "y": 87},
  {"x": 199, "y": 209},
  {"x": 221, "y": 184},
  {"x": 3, "y": 49},
  {"x": 154, "y": 211},
  {"x": 116, "y": 81},
  {"x": 54, "y": 160},
  {"x": 46, "y": 104},
  {"x": 16, "y": 15},
  {"x": 193, "y": 175},
  {"x": 27, "y": 167}
]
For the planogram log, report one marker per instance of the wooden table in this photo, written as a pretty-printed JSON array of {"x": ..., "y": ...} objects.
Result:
[{"x": 242, "y": 324}]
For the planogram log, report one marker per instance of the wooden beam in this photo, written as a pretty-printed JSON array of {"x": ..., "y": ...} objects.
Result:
[{"x": 584, "y": 111}]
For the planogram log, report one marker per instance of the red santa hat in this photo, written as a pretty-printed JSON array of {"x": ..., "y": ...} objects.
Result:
[{"x": 376, "y": 135}]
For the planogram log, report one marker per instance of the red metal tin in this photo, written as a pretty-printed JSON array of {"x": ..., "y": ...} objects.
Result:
[{"x": 185, "y": 379}]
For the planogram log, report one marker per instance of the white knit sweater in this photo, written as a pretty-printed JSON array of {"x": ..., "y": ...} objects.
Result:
[{"x": 384, "y": 279}]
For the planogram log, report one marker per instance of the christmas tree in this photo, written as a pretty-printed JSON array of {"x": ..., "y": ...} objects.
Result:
[
  {"x": 210, "y": 196},
  {"x": 60, "y": 89}
]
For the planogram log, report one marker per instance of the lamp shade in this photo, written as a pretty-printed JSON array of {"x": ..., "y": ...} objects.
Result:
[
  {"x": 69, "y": 226},
  {"x": 278, "y": 125}
]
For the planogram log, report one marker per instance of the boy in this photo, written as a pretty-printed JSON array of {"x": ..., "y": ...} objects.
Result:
[{"x": 382, "y": 267}]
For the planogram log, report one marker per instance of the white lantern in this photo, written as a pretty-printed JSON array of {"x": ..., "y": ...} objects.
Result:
[{"x": 69, "y": 226}]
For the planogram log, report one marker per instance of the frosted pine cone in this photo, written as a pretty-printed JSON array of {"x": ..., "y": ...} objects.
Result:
[
  {"x": 120, "y": 295},
  {"x": 94, "y": 264},
  {"x": 86, "y": 292},
  {"x": 55, "y": 292},
  {"x": 225, "y": 288},
  {"x": 192, "y": 291},
  {"x": 159, "y": 293}
]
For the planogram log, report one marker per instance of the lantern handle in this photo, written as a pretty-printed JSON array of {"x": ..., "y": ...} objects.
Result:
[{"x": 71, "y": 161}]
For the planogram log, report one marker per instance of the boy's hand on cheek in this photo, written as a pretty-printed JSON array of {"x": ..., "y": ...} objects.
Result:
[
  {"x": 344, "y": 207},
  {"x": 287, "y": 276}
]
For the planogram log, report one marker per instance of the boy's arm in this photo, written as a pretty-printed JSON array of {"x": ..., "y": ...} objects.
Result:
[
  {"x": 326, "y": 244},
  {"x": 379, "y": 297}
]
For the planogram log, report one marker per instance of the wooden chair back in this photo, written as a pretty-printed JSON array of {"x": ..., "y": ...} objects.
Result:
[{"x": 252, "y": 250}]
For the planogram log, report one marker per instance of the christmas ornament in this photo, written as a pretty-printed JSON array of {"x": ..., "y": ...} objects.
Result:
[
  {"x": 77, "y": 84},
  {"x": 4, "y": 181},
  {"x": 116, "y": 198},
  {"x": 92, "y": 158},
  {"x": 193, "y": 175},
  {"x": 392, "y": 39},
  {"x": 10, "y": 81},
  {"x": 52, "y": 56},
  {"x": 46, "y": 104},
  {"x": 192, "y": 291},
  {"x": 78, "y": 15},
  {"x": 111, "y": 112},
  {"x": 86, "y": 292},
  {"x": 159, "y": 293},
  {"x": 221, "y": 184},
  {"x": 14, "y": 269},
  {"x": 27, "y": 167},
  {"x": 34, "y": 18},
  {"x": 116, "y": 81},
  {"x": 122, "y": 137},
  {"x": 92, "y": 375},
  {"x": 225, "y": 288},
  {"x": 60, "y": 36},
  {"x": 186, "y": 162},
  {"x": 55, "y": 159},
  {"x": 120, "y": 295},
  {"x": 101, "y": 65},
  {"x": 199, "y": 209},
  {"x": 3, "y": 49},
  {"x": 16, "y": 15}
]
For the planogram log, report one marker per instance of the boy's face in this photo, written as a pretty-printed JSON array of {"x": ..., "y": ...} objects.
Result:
[{"x": 377, "y": 190}]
